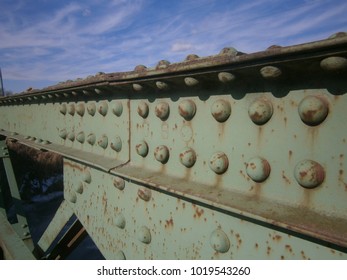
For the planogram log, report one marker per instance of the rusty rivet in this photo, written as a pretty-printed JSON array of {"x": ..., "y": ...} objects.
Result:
[
  {"x": 190, "y": 82},
  {"x": 338, "y": 35},
  {"x": 71, "y": 136},
  {"x": 120, "y": 221},
  {"x": 229, "y": 51},
  {"x": 219, "y": 241},
  {"x": 46, "y": 142},
  {"x": 187, "y": 109},
  {"x": 80, "y": 137},
  {"x": 119, "y": 183},
  {"x": 258, "y": 169},
  {"x": 334, "y": 63},
  {"x": 226, "y": 77},
  {"x": 313, "y": 110},
  {"x": 79, "y": 187},
  {"x": 142, "y": 109},
  {"x": 73, "y": 197},
  {"x": 63, "y": 133},
  {"x": 80, "y": 109},
  {"x": 188, "y": 157},
  {"x": 91, "y": 139},
  {"x": 137, "y": 87},
  {"x": 86, "y": 92},
  {"x": 144, "y": 235},
  {"x": 221, "y": 110},
  {"x": 103, "y": 108},
  {"x": 103, "y": 141},
  {"x": 270, "y": 72},
  {"x": 91, "y": 109},
  {"x": 162, "y": 154},
  {"x": 38, "y": 141},
  {"x": 117, "y": 144},
  {"x": 162, "y": 85},
  {"x": 99, "y": 91},
  {"x": 140, "y": 68},
  {"x": 142, "y": 149},
  {"x": 309, "y": 174},
  {"x": 219, "y": 162},
  {"x": 63, "y": 109},
  {"x": 162, "y": 110},
  {"x": 191, "y": 57},
  {"x": 144, "y": 194},
  {"x": 119, "y": 255},
  {"x": 71, "y": 109},
  {"x": 87, "y": 177},
  {"x": 260, "y": 111},
  {"x": 118, "y": 108},
  {"x": 162, "y": 64}
]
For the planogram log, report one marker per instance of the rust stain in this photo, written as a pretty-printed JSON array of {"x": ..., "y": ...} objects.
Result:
[
  {"x": 277, "y": 237},
  {"x": 285, "y": 178},
  {"x": 169, "y": 223},
  {"x": 256, "y": 245},
  {"x": 289, "y": 248},
  {"x": 198, "y": 212}
]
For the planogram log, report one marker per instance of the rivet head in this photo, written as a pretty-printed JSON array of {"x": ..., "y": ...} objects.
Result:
[
  {"x": 80, "y": 137},
  {"x": 309, "y": 174},
  {"x": 226, "y": 77},
  {"x": 144, "y": 194},
  {"x": 116, "y": 145},
  {"x": 258, "y": 169},
  {"x": 334, "y": 63},
  {"x": 71, "y": 136},
  {"x": 229, "y": 51},
  {"x": 120, "y": 221},
  {"x": 137, "y": 87},
  {"x": 144, "y": 235},
  {"x": 190, "y": 82},
  {"x": 140, "y": 68},
  {"x": 80, "y": 109},
  {"x": 79, "y": 187},
  {"x": 188, "y": 157},
  {"x": 260, "y": 111},
  {"x": 162, "y": 85},
  {"x": 63, "y": 133},
  {"x": 103, "y": 141},
  {"x": 221, "y": 110},
  {"x": 313, "y": 110},
  {"x": 91, "y": 139},
  {"x": 103, "y": 108},
  {"x": 191, "y": 57},
  {"x": 86, "y": 177},
  {"x": 187, "y": 109},
  {"x": 118, "y": 108},
  {"x": 219, "y": 241},
  {"x": 119, "y": 183},
  {"x": 162, "y": 110},
  {"x": 270, "y": 72},
  {"x": 142, "y": 109},
  {"x": 91, "y": 109},
  {"x": 73, "y": 197},
  {"x": 71, "y": 109},
  {"x": 162, "y": 154},
  {"x": 162, "y": 64},
  {"x": 219, "y": 162},
  {"x": 63, "y": 109},
  {"x": 142, "y": 149}
]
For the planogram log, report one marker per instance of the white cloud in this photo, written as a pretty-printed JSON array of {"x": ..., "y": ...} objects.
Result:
[{"x": 181, "y": 47}]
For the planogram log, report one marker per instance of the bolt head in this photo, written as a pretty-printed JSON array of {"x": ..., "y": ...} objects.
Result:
[
  {"x": 313, "y": 110},
  {"x": 260, "y": 111},
  {"x": 162, "y": 154},
  {"x": 188, "y": 157},
  {"x": 309, "y": 174},
  {"x": 221, "y": 110},
  {"x": 258, "y": 169},
  {"x": 187, "y": 109},
  {"x": 142, "y": 149},
  {"x": 219, "y": 162}
]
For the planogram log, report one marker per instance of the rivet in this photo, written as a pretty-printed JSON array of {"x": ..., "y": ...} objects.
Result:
[
  {"x": 229, "y": 51},
  {"x": 71, "y": 109},
  {"x": 309, "y": 174},
  {"x": 38, "y": 141},
  {"x": 46, "y": 142},
  {"x": 71, "y": 136},
  {"x": 142, "y": 149},
  {"x": 74, "y": 93},
  {"x": 79, "y": 187},
  {"x": 91, "y": 109},
  {"x": 258, "y": 169},
  {"x": 137, "y": 87},
  {"x": 338, "y": 35},
  {"x": 188, "y": 157},
  {"x": 187, "y": 109},
  {"x": 66, "y": 94},
  {"x": 103, "y": 108},
  {"x": 219, "y": 241},
  {"x": 226, "y": 77},
  {"x": 119, "y": 183},
  {"x": 87, "y": 177},
  {"x": 118, "y": 108},
  {"x": 313, "y": 110},
  {"x": 86, "y": 92},
  {"x": 219, "y": 162},
  {"x": 260, "y": 111},
  {"x": 270, "y": 72},
  {"x": 140, "y": 68},
  {"x": 119, "y": 255},
  {"x": 91, "y": 139},
  {"x": 80, "y": 137},
  {"x": 190, "y": 82},
  {"x": 191, "y": 57},
  {"x": 50, "y": 96},
  {"x": 73, "y": 197},
  {"x": 162, "y": 85},
  {"x": 221, "y": 110},
  {"x": 334, "y": 63},
  {"x": 142, "y": 109},
  {"x": 162, "y": 64},
  {"x": 144, "y": 194},
  {"x": 63, "y": 133},
  {"x": 103, "y": 141},
  {"x": 120, "y": 221},
  {"x": 162, "y": 110},
  {"x": 116, "y": 145},
  {"x": 80, "y": 109},
  {"x": 63, "y": 109},
  {"x": 162, "y": 154},
  {"x": 98, "y": 91},
  {"x": 144, "y": 235}
]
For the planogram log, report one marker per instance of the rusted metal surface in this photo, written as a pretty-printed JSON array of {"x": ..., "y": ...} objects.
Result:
[{"x": 246, "y": 142}]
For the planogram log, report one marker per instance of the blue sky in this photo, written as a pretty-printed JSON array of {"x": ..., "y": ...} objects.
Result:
[{"x": 43, "y": 42}]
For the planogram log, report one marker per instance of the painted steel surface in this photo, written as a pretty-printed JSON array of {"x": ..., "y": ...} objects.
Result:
[{"x": 229, "y": 156}]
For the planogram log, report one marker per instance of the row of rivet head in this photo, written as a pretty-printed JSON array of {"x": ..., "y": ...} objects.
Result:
[{"x": 103, "y": 109}]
